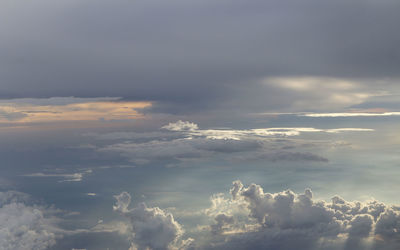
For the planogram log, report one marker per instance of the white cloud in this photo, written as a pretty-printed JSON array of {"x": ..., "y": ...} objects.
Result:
[
  {"x": 151, "y": 228},
  {"x": 24, "y": 226},
  {"x": 352, "y": 114},
  {"x": 181, "y": 126},
  {"x": 237, "y": 134},
  {"x": 287, "y": 220},
  {"x": 66, "y": 177}
]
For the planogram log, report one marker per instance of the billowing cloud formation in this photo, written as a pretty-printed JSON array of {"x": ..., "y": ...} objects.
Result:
[
  {"x": 184, "y": 141},
  {"x": 24, "y": 226},
  {"x": 152, "y": 228},
  {"x": 287, "y": 220}
]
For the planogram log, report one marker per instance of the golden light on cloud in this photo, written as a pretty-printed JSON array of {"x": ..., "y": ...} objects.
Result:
[{"x": 79, "y": 111}]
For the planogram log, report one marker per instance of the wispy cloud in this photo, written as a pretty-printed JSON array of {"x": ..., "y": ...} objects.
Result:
[
  {"x": 236, "y": 134},
  {"x": 337, "y": 114},
  {"x": 65, "y": 177},
  {"x": 351, "y": 114}
]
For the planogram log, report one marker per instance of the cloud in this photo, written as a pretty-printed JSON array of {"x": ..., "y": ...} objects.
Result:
[
  {"x": 184, "y": 141},
  {"x": 181, "y": 126},
  {"x": 152, "y": 228},
  {"x": 352, "y": 114},
  {"x": 24, "y": 226},
  {"x": 11, "y": 115},
  {"x": 287, "y": 220},
  {"x": 287, "y": 156},
  {"x": 318, "y": 93},
  {"x": 66, "y": 177},
  {"x": 221, "y": 221},
  {"x": 69, "y": 109},
  {"x": 42, "y": 47}
]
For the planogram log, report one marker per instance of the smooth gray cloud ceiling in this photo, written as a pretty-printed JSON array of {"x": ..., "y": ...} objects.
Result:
[{"x": 189, "y": 51}]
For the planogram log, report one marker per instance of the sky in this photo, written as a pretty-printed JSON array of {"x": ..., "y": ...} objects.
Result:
[{"x": 191, "y": 125}]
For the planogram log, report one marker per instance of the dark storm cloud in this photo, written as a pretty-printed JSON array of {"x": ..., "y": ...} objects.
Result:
[{"x": 189, "y": 54}]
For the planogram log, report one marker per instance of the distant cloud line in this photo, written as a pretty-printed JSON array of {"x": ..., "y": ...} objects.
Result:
[{"x": 341, "y": 114}]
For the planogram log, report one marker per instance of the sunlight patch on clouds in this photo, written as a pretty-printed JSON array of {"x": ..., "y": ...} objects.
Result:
[
  {"x": 312, "y": 83},
  {"x": 318, "y": 93},
  {"x": 68, "y": 109}
]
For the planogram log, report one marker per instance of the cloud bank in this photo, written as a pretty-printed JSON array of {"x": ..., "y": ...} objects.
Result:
[{"x": 184, "y": 141}]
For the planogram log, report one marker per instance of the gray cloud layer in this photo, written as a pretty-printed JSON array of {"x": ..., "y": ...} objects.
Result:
[{"x": 191, "y": 55}]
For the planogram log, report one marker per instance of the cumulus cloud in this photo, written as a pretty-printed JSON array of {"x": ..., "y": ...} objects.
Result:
[
  {"x": 287, "y": 220},
  {"x": 221, "y": 220},
  {"x": 22, "y": 225},
  {"x": 152, "y": 228},
  {"x": 181, "y": 126}
]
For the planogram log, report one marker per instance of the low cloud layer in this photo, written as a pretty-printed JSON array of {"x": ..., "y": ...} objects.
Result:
[{"x": 184, "y": 141}]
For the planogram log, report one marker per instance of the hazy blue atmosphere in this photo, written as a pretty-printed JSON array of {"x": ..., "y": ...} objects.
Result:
[{"x": 191, "y": 125}]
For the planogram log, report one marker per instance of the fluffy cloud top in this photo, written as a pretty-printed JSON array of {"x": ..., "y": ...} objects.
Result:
[
  {"x": 23, "y": 226},
  {"x": 287, "y": 220},
  {"x": 152, "y": 228}
]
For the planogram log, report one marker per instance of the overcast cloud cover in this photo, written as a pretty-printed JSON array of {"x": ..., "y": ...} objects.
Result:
[{"x": 145, "y": 124}]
